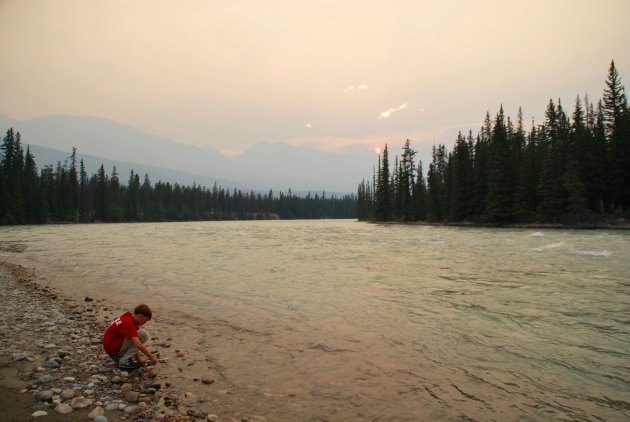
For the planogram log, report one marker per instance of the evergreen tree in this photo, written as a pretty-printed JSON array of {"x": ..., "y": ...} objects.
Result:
[
  {"x": 462, "y": 176},
  {"x": 526, "y": 198},
  {"x": 12, "y": 165},
  {"x": 420, "y": 195},
  {"x": 85, "y": 196},
  {"x": 383, "y": 207},
  {"x": 618, "y": 134},
  {"x": 406, "y": 181}
]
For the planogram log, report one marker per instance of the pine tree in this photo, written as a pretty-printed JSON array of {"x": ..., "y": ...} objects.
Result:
[
  {"x": 420, "y": 195},
  {"x": 618, "y": 134},
  {"x": 12, "y": 165},
  {"x": 462, "y": 176},
  {"x": 383, "y": 207},
  {"x": 501, "y": 180},
  {"x": 406, "y": 180},
  {"x": 31, "y": 189}
]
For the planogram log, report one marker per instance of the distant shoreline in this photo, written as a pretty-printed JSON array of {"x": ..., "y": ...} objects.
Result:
[{"x": 625, "y": 225}]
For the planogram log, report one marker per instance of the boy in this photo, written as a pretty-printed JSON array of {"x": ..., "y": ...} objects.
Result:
[{"x": 124, "y": 339}]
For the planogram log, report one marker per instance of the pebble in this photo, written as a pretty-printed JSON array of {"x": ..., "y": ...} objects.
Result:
[
  {"x": 80, "y": 403},
  {"x": 67, "y": 394},
  {"x": 63, "y": 408},
  {"x": 97, "y": 411},
  {"x": 130, "y": 410},
  {"x": 100, "y": 419},
  {"x": 132, "y": 396},
  {"x": 111, "y": 406},
  {"x": 44, "y": 379},
  {"x": 39, "y": 413},
  {"x": 44, "y": 395}
]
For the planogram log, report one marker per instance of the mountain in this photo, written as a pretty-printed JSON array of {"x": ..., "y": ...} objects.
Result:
[
  {"x": 264, "y": 166},
  {"x": 48, "y": 156}
]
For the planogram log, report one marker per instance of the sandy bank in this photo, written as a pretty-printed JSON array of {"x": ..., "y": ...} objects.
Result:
[{"x": 51, "y": 360}]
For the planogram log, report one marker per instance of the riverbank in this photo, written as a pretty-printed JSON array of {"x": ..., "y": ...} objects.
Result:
[
  {"x": 52, "y": 366},
  {"x": 622, "y": 224}
]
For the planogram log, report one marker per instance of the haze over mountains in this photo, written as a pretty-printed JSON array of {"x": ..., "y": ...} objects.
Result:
[{"x": 262, "y": 167}]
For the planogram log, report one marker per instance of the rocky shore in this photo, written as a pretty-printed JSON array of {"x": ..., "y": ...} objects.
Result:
[{"x": 52, "y": 366}]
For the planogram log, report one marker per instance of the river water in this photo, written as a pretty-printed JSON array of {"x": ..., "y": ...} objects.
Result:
[{"x": 340, "y": 320}]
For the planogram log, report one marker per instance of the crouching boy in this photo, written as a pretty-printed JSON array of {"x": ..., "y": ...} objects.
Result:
[{"x": 124, "y": 339}]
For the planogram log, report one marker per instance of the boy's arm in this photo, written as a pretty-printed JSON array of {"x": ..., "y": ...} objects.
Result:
[{"x": 144, "y": 350}]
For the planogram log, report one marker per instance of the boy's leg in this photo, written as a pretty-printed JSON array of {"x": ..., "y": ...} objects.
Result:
[{"x": 128, "y": 351}]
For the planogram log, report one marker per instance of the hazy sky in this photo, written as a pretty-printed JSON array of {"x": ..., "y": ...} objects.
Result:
[{"x": 335, "y": 75}]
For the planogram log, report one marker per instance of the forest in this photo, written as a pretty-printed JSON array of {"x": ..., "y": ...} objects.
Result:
[
  {"x": 65, "y": 194},
  {"x": 568, "y": 170}
]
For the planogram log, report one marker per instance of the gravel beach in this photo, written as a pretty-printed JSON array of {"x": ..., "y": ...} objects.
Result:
[{"x": 52, "y": 366}]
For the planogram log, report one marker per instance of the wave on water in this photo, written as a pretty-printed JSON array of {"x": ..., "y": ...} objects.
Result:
[
  {"x": 548, "y": 247},
  {"x": 571, "y": 249},
  {"x": 591, "y": 253},
  {"x": 537, "y": 234}
]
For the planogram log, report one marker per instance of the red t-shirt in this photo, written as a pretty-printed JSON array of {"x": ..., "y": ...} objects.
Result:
[{"x": 122, "y": 328}]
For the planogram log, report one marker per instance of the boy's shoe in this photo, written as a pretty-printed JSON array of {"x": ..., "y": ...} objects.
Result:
[{"x": 128, "y": 365}]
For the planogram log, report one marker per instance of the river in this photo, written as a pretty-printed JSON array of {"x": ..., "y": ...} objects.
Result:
[{"x": 341, "y": 320}]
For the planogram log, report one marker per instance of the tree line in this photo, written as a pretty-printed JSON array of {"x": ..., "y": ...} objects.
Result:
[
  {"x": 66, "y": 193},
  {"x": 569, "y": 170}
]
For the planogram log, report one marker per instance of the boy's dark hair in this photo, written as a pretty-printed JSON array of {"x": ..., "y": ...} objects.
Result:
[{"x": 143, "y": 309}]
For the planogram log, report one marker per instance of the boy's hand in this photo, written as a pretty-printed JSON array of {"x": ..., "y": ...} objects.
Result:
[{"x": 154, "y": 360}]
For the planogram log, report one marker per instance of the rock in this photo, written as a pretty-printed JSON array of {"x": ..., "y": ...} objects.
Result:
[
  {"x": 212, "y": 418},
  {"x": 116, "y": 379},
  {"x": 69, "y": 379},
  {"x": 111, "y": 406},
  {"x": 130, "y": 410},
  {"x": 207, "y": 381},
  {"x": 63, "y": 408},
  {"x": 100, "y": 419},
  {"x": 97, "y": 411},
  {"x": 39, "y": 413},
  {"x": 22, "y": 356},
  {"x": 51, "y": 364},
  {"x": 88, "y": 299},
  {"x": 44, "y": 395},
  {"x": 80, "y": 403},
  {"x": 150, "y": 372},
  {"x": 68, "y": 394},
  {"x": 132, "y": 396},
  {"x": 44, "y": 379}
]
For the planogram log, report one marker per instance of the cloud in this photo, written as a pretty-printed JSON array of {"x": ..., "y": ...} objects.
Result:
[
  {"x": 361, "y": 87},
  {"x": 386, "y": 114}
]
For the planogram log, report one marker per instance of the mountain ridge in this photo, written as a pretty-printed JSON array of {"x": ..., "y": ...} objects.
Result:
[{"x": 265, "y": 165}]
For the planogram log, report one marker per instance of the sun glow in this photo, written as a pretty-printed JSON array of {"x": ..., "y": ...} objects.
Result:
[{"x": 377, "y": 151}]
